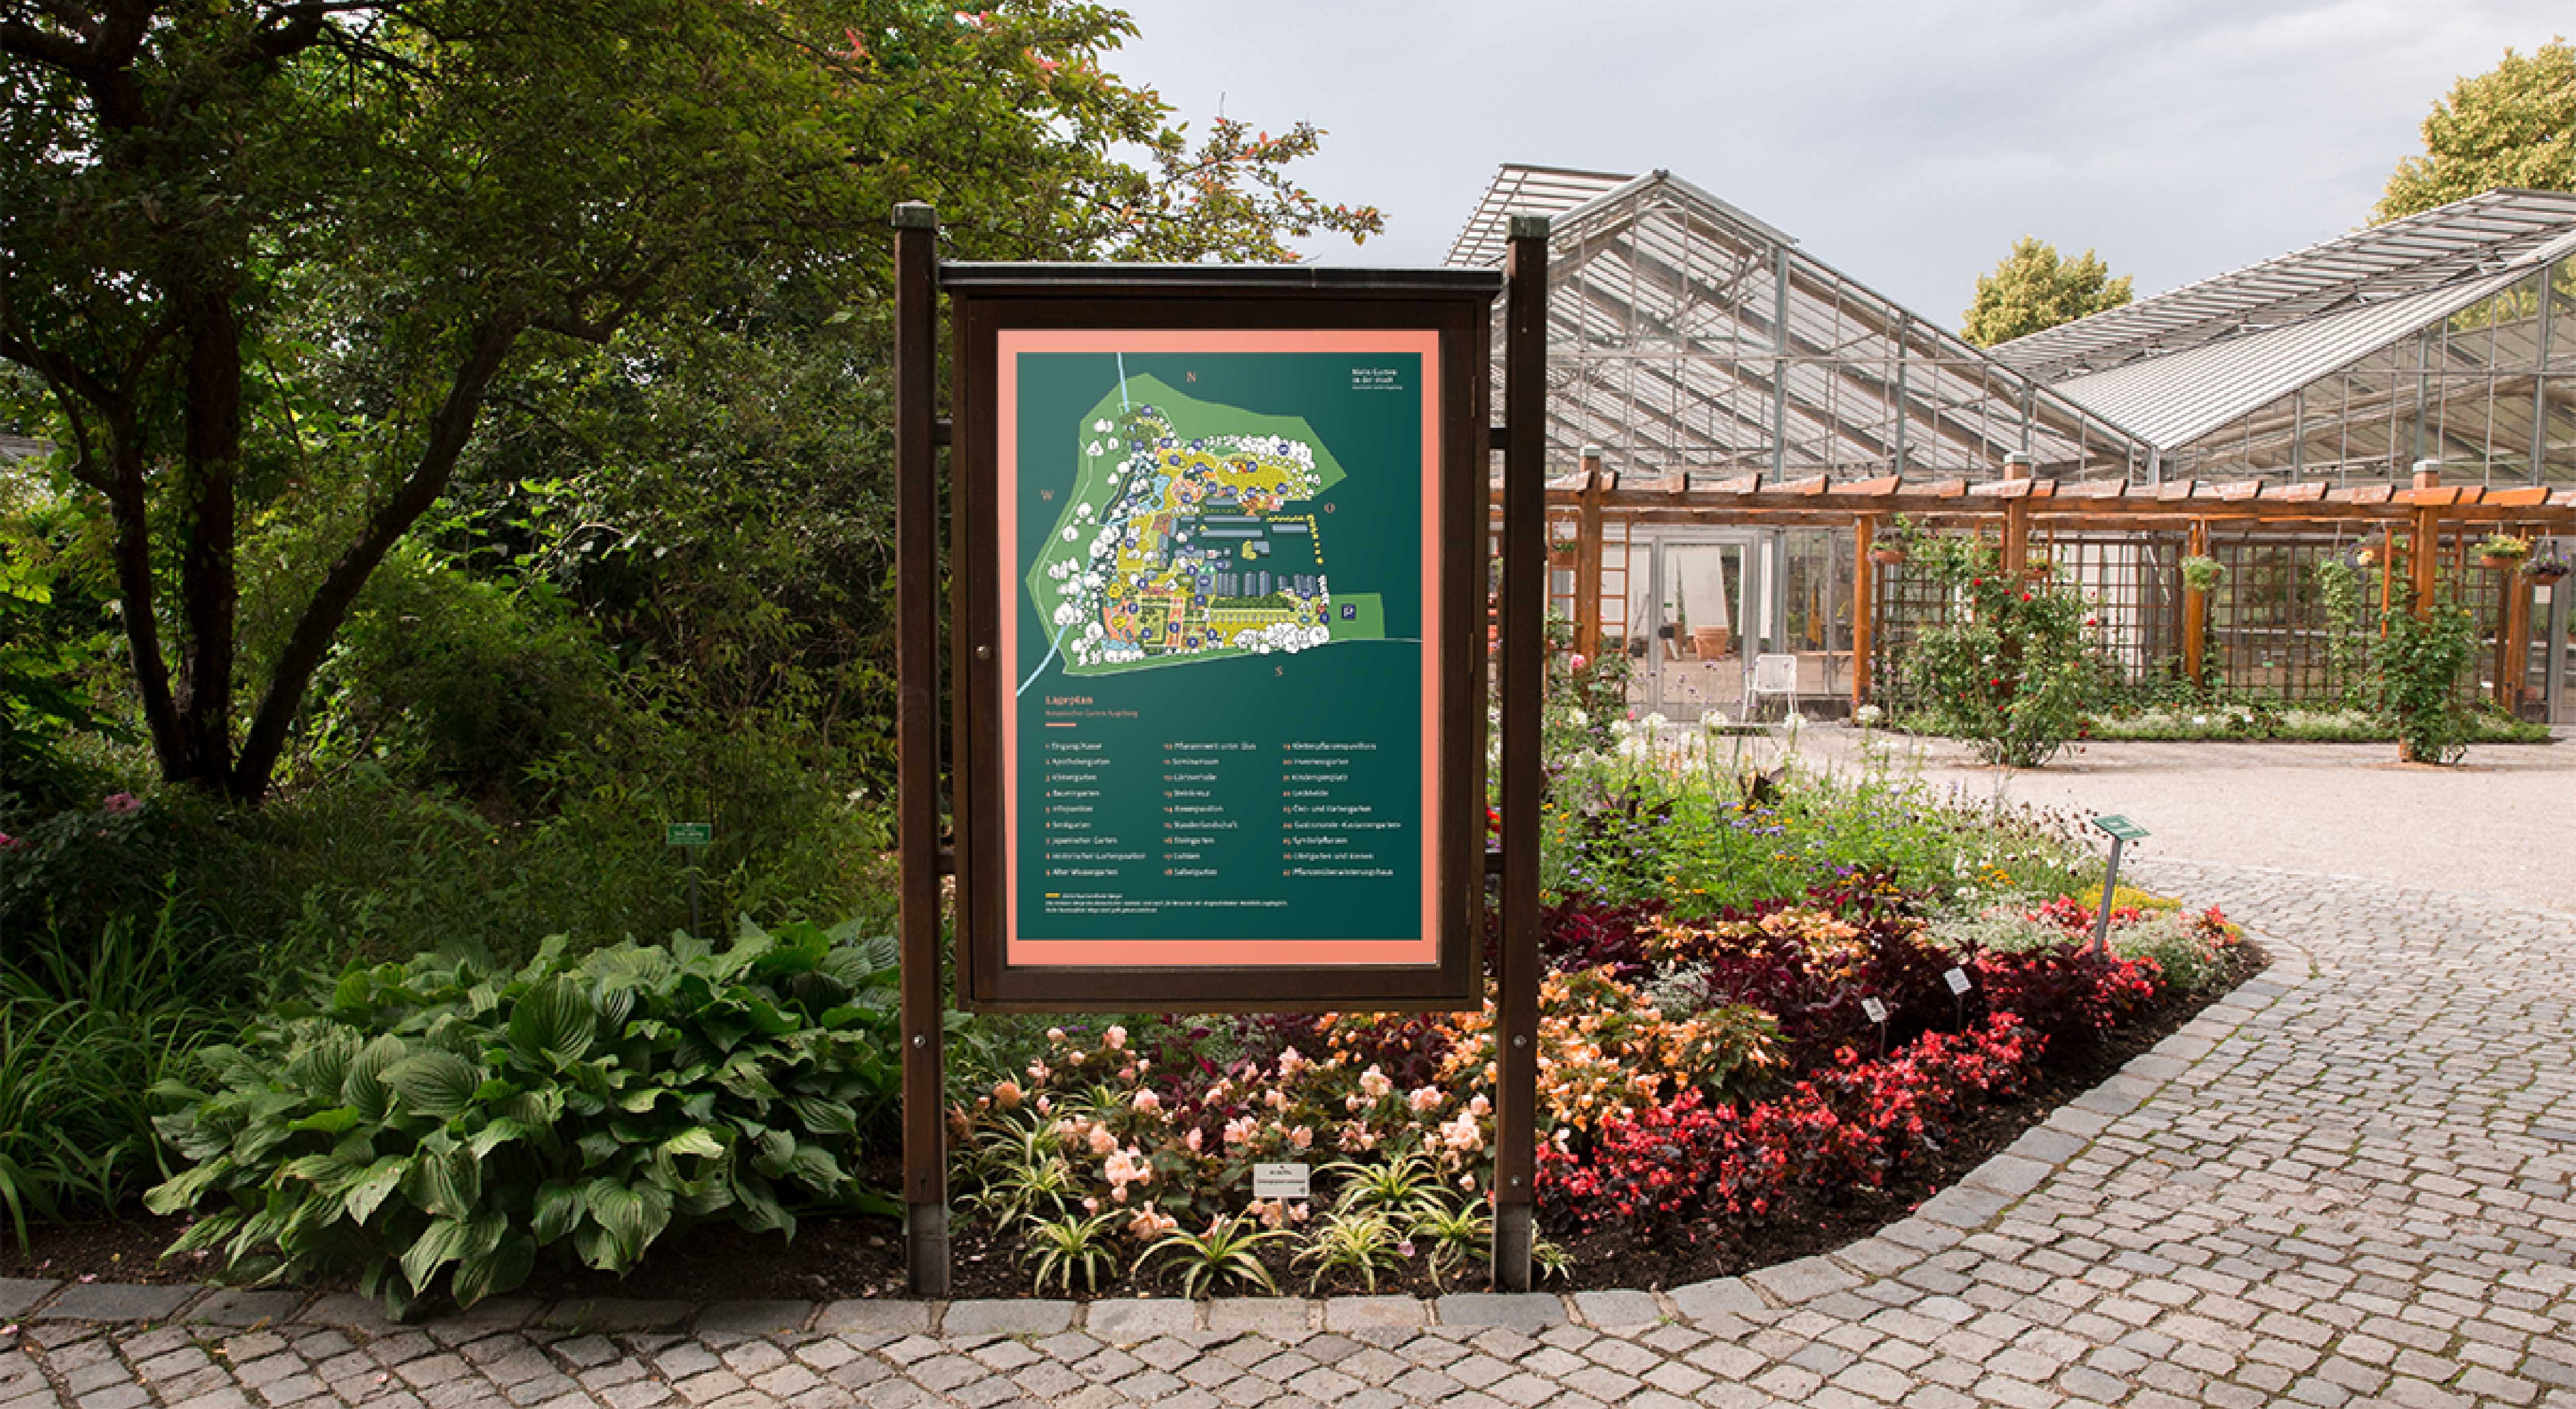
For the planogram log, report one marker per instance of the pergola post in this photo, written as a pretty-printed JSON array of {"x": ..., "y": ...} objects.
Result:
[
  {"x": 1587, "y": 559},
  {"x": 2017, "y": 518},
  {"x": 1864, "y": 606},
  {"x": 2195, "y": 607},
  {"x": 2425, "y": 563},
  {"x": 2513, "y": 642}
]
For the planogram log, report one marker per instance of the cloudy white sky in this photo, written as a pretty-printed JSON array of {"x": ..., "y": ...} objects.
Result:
[{"x": 1908, "y": 142}]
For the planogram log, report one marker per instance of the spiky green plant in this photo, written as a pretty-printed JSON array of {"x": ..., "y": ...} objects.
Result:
[
  {"x": 1069, "y": 1247},
  {"x": 1353, "y": 1240},
  {"x": 1227, "y": 1252}
]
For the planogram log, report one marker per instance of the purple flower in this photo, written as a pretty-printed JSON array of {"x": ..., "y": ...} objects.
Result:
[{"x": 122, "y": 803}]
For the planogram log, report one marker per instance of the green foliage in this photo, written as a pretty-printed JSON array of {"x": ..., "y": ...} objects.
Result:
[
  {"x": 1363, "y": 1241},
  {"x": 1226, "y": 1253},
  {"x": 86, "y": 1029},
  {"x": 1687, "y": 834},
  {"x": 446, "y": 680},
  {"x": 2201, "y": 573},
  {"x": 1071, "y": 1246},
  {"x": 272, "y": 263},
  {"x": 52, "y": 638},
  {"x": 2011, "y": 670},
  {"x": 2034, "y": 288},
  {"x": 2514, "y": 125},
  {"x": 440, "y": 1116},
  {"x": 2341, "y": 585},
  {"x": 2418, "y": 665},
  {"x": 1458, "y": 1234},
  {"x": 2504, "y": 546},
  {"x": 1383, "y": 1185}
]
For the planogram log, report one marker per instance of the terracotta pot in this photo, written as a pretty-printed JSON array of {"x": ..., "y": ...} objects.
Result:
[
  {"x": 2498, "y": 564},
  {"x": 1887, "y": 555},
  {"x": 2551, "y": 573}
]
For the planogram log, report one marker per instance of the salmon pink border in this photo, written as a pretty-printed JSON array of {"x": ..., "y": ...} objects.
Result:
[{"x": 1422, "y": 950}]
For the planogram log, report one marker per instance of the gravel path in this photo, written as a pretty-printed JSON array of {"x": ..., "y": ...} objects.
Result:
[{"x": 2347, "y": 1183}]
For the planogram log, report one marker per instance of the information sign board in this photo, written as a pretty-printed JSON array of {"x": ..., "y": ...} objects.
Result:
[
  {"x": 1221, "y": 640},
  {"x": 689, "y": 834},
  {"x": 2121, "y": 827}
]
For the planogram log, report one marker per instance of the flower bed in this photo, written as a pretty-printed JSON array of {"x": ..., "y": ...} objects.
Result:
[{"x": 1702, "y": 1083}]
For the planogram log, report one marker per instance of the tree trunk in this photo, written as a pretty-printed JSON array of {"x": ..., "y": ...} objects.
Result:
[
  {"x": 448, "y": 431},
  {"x": 208, "y": 583}
]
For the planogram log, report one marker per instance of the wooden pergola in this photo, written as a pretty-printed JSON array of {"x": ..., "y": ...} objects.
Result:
[{"x": 1593, "y": 499}]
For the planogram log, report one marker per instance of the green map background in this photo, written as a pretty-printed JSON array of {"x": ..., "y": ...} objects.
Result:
[{"x": 1357, "y": 690}]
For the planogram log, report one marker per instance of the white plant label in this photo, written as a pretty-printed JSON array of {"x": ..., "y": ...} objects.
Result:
[
  {"x": 1958, "y": 981},
  {"x": 1874, "y": 1009},
  {"x": 1280, "y": 1181}
]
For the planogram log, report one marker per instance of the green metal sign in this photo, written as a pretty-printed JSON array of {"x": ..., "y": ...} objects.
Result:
[
  {"x": 2118, "y": 826},
  {"x": 689, "y": 834}
]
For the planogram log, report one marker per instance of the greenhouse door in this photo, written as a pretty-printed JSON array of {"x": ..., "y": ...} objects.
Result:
[{"x": 1706, "y": 620}]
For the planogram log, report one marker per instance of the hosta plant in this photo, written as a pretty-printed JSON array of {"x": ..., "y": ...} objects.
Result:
[{"x": 441, "y": 1125}]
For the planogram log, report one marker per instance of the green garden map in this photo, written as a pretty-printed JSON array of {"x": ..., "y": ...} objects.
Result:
[{"x": 1193, "y": 533}]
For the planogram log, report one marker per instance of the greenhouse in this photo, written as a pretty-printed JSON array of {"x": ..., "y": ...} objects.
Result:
[{"x": 1733, "y": 422}]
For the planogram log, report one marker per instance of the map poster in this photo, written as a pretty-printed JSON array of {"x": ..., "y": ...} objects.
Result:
[{"x": 1219, "y": 563}]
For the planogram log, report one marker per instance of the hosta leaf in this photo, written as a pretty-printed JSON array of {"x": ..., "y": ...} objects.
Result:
[
  {"x": 329, "y": 1173},
  {"x": 760, "y": 1209},
  {"x": 361, "y": 1199},
  {"x": 768, "y": 1019},
  {"x": 204, "y": 1233},
  {"x": 634, "y": 1216},
  {"x": 323, "y": 1063},
  {"x": 331, "y": 1122},
  {"x": 499, "y": 1269},
  {"x": 697, "y": 1141},
  {"x": 442, "y": 1242},
  {"x": 364, "y": 1087},
  {"x": 553, "y": 1023},
  {"x": 439, "y": 1084},
  {"x": 815, "y": 1168},
  {"x": 182, "y": 1192},
  {"x": 558, "y": 1209},
  {"x": 777, "y": 1147},
  {"x": 824, "y": 1117},
  {"x": 498, "y": 1133},
  {"x": 447, "y": 1183}
]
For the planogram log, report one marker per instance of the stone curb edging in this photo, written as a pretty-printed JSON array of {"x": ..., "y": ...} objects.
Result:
[{"x": 1953, "y": 1216}]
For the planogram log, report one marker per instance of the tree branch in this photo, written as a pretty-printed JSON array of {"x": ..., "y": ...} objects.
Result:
[{"x": 449, "y": 429}]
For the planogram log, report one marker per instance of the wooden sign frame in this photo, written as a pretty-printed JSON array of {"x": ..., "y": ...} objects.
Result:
[
  {"x": 1193, "y": 306},
  {"x": 1458, "y": 305}
]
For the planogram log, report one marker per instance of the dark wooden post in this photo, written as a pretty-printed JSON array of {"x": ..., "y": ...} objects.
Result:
[
  {"x": 1524, "y": 588},
  {"x": 916, "y": 557}
]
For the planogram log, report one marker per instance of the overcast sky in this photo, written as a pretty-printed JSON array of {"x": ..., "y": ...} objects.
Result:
[{"x": 1907, "y": 142}]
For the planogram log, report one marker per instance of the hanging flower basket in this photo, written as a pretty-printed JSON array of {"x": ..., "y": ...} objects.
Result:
[
  {"x": 1887, "y": 553},
  {"x": 2502, "y": 552},
  {"x": 2548, "y": 571}
]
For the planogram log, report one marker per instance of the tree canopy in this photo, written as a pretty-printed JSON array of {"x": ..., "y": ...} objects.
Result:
[
  {"x": 2513, "y": 126},
  {"x": 2035, "y": 288},
  {"x": 269, "y": 264}
]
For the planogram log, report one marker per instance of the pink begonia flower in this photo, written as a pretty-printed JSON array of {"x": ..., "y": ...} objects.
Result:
[
  {"x": 1055, "y": 1034},
  {"x": 122, "y": 803},
  {"x": 1301, "y": 1137},
  {"x": 1194, "y": 1140},
  {"x": 1373, "y": 1083},
  {"x": 1240, "y": 1130},
  {"x": 1290, "y": 1063},
  {"x": 1426, "y": 1099},
  {"x": 1102, "y": 1142},
  {"x": 1147, "y": 1103},
  {"x": 1578, "y": 661},
  {"x": 1091, "y": 1205},
  {"x": 1117, "y": 1038},
  {"x": 1477, "y": 1105}
]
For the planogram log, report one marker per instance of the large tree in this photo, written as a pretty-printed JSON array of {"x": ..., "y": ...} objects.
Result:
[
  {"x": 2035, "y": 288},
  {"x": 2514, "y": 125},
  {"x": 269, "y": 259}
]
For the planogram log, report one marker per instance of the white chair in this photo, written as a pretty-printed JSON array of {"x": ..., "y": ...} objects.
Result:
[{"x": 1775, "y": 676}]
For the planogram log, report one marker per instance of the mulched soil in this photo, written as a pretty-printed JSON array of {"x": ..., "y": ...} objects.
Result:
[{"x": 835, "y": 1258}]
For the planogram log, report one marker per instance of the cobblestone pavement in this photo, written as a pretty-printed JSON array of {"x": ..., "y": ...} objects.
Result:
[{"x": 2346, "y": 1184}]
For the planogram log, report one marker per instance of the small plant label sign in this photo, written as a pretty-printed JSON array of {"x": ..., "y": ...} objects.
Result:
[
  {"x": 1874, "y": 1010},
  {"x": 1958, "y": 981},
  {"x": 689, "y": 834},
  {"x": 1281, "y": 1181}
]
